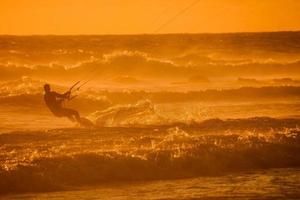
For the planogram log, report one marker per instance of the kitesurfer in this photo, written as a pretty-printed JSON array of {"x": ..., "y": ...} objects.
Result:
[{"x": 54, "y": 102}]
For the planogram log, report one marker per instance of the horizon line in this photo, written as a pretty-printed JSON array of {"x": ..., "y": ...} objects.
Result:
[{"x": 143, "y": 34}]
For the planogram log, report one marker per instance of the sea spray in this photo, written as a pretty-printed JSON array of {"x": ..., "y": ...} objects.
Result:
[{"x": 77, "y": 157}]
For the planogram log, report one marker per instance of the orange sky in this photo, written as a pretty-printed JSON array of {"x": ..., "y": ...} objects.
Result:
[{"x": 23, "y": 17}]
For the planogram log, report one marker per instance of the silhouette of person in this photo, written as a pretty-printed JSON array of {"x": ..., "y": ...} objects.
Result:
[{"x": 54, "y": 102}]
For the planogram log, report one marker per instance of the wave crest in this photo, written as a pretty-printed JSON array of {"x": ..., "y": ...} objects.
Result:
[
  {"x": 141, "y": 64},
  {"x": 176, "y": 155},
  {"x": 141, "y": 113}
]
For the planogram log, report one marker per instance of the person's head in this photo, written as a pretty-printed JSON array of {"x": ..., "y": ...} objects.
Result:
[{"x": 47, "y": 88}]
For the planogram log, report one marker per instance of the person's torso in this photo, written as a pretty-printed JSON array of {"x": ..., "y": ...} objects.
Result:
[{"x": 51, "y": 101}]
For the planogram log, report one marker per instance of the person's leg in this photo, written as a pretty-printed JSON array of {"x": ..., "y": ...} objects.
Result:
[{"x": 70, "y": 113}]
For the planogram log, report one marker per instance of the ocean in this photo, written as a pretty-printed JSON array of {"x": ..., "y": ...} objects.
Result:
[{"x": 176, "y": 116}]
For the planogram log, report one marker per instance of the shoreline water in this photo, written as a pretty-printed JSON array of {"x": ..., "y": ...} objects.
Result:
[{"x": 252, "y": 184}]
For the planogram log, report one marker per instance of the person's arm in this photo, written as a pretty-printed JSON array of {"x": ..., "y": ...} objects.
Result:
[{"x": 62, "y": 96}]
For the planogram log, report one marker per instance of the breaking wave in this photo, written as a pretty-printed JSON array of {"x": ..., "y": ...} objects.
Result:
[
  {"x": 141, "y": 113},
  {"x": 163, "y": 154},
  {"x": 245, "y": 94},
  {"x": 145, "y": 114},
  {"x": 142, "y": 65},
  {"x": 28, "y": 91}
]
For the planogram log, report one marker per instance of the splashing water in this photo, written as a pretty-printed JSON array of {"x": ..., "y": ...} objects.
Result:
[{"x": 141, "y": 113}]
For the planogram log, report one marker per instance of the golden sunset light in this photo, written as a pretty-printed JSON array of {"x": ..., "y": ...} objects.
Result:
[{"x": 149, "y": 99}]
